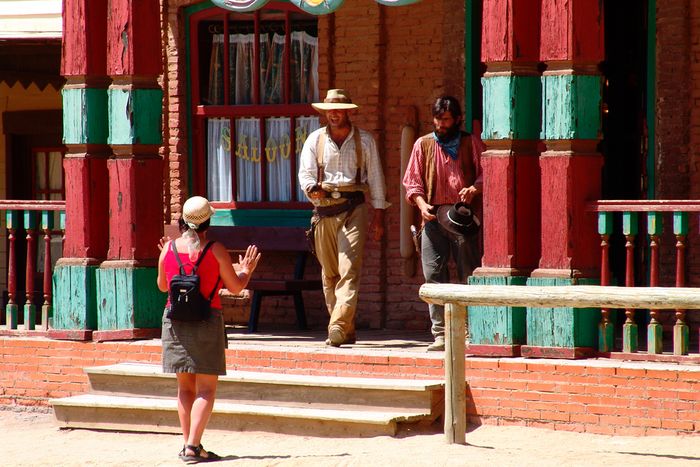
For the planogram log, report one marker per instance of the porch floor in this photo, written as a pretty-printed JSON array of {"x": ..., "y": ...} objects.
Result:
[{"x": 389, "y": 340}]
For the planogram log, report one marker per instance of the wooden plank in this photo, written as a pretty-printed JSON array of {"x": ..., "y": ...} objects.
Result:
[
  {"x": 127, "y": 369},
  {"x": 577, "y": 296},
  {"x": 664, "y": 205}
]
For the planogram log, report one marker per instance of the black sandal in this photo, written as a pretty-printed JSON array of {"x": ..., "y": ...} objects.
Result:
[{"x": 197, "y": 458}]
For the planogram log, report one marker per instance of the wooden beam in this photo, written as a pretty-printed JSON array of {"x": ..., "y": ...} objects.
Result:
[{"x": 577, "y": 296}]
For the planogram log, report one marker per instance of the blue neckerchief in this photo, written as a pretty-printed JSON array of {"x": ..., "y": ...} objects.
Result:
[{"x": 450, "y": 146}]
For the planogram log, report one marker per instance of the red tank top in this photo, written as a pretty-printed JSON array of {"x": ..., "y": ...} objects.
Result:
[{"x": 208, "y": 272}]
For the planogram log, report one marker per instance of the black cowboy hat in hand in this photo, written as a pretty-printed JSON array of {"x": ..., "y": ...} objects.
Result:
[{"x": 458, "y": 219}]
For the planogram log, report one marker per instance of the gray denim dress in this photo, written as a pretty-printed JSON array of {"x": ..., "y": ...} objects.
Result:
[{"x": 195, "y": 346}]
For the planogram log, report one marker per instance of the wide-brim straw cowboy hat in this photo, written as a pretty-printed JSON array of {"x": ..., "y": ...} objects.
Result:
[{"x": 336, "y": 99}]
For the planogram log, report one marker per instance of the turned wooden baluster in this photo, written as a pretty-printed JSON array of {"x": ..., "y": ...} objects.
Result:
[
  {"x": 12, "y": 220},
  {"x": 605, "y": 328},
  {"x": 630, "y": 341},
  {"x": 681, "y": 333},
  {"x": 30, "y": 225},
  {"x": 654, "y": 329},
  {"x": 46, "y": 308}
]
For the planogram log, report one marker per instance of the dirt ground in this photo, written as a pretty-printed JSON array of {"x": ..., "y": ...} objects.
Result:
[{"x": 34, "y": 439}]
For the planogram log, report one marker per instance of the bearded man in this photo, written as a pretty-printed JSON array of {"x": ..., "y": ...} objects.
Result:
[
  {"x": 444, "y": 169},
  {"x": 340, "y": 169}
]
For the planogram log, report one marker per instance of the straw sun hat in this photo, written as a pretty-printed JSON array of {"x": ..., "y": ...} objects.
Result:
[
  {"x": 196, "y": 210},
  {"x": 336, "y": 99}
]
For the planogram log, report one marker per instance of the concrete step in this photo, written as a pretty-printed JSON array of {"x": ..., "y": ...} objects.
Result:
[
  {"x": 139, "y": 397},
  {"x": 151, "y": 414},
  {"x": 264, "y": 388}
]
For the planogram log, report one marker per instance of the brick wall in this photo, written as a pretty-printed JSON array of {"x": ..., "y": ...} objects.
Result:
[{"x": 595, "y": 396}]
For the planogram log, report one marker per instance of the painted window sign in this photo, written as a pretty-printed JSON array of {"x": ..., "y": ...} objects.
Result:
[
  {"x": 246, "y": 147},
  {"x": 315, "y": 7}
]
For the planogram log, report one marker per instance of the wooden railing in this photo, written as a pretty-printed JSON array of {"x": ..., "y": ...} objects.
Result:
[
  {"x": 26, "y": 221},
  {"x": 642, "y": 224},
  {"x": 455, "y": 297}
]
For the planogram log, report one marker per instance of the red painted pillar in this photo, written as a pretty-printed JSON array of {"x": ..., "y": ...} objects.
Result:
[
  {"x": 135, "y": 107},
  {"x": 512, "y": 93},
  {"x": 85, "y": 134},
  {"x": 572, "y": 47},
  {"x": 85, "y": 128},
  {"x": 129, "y": 303},
  {"x": 510, "y": 50}
]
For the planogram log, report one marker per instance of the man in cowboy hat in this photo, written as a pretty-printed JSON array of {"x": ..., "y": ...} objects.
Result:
[
  {"x": 444, "y": 169},
  {"x": 339, "y": 170}
]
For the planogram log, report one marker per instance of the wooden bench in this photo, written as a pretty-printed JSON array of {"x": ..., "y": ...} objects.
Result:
[{"x": 271, "y": 239}]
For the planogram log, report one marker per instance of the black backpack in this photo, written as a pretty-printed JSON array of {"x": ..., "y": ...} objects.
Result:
[{"x": 186, "y": 301}]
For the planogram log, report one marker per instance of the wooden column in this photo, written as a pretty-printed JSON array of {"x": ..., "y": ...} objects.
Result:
[
  {"x": 511, "y": 97},
  {"x": 455, "y": 383},
  {"x": 129, "y": 304},
  {"x": 571, "y": 48},
  {"x": 85, "y": 167}
]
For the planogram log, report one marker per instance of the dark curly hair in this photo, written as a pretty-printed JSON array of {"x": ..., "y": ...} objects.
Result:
[{"x": 447, "y": 104}]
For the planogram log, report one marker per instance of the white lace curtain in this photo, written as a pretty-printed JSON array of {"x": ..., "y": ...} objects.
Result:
[
  {"x": 246, "y": 144},
  {"x": 303, "y": 66},
  {"x": 246, "y": 140}
]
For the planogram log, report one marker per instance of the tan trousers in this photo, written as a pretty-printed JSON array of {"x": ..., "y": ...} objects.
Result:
[{"x": 340, "y": 243}]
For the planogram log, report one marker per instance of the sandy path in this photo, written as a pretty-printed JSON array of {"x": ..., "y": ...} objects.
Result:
[{"x": 34, "y": 439}]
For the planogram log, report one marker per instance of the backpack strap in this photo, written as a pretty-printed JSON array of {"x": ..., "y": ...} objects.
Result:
[
  {"x": 177, "y": 257},
  {"x": 199, "y": 260}
]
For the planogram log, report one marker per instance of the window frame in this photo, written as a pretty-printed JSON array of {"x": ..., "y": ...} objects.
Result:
[
  {"x": 46, "y": 150},
  {"x": 200, "y": 112}
]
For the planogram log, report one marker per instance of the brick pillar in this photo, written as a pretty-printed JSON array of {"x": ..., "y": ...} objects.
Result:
[
  {"x": 511, "y": 96},
  {"x": 571, "y": 47},
  {"x": 85, "y": 133},
  {"x": 129, "y": 303}
]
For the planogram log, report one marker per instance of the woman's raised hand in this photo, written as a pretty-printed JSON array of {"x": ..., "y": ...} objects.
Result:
[{"x": 249, "y": 261}]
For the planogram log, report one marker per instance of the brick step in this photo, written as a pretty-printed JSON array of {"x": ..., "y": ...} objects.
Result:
[
  {"x": 262, "y": 387},
  {"x": 139, "y": 397}
]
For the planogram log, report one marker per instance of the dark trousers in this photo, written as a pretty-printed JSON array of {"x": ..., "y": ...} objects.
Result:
[{"x": 437, "y": 246}]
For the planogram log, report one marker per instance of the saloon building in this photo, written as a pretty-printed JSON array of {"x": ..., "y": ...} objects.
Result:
[{"x": 586, "y": 109}]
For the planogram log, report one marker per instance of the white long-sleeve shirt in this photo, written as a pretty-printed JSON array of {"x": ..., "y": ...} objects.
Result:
[{"x": 340, "y": 164}]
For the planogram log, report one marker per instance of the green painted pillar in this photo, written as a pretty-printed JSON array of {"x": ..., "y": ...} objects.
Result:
[{"x": 571, "y": 47}]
